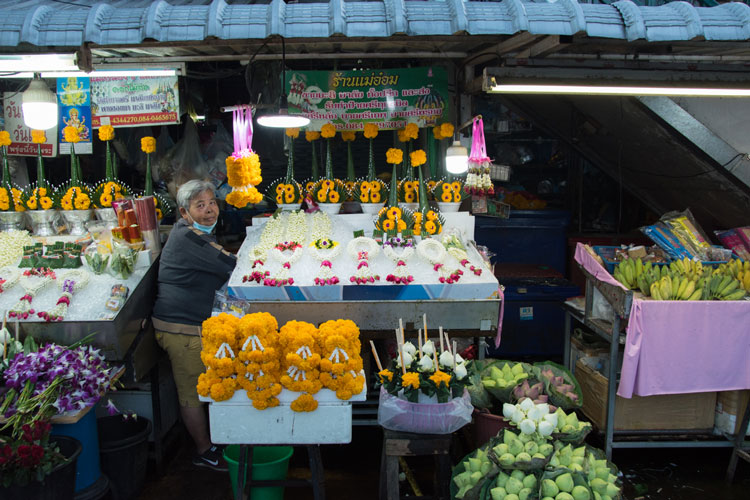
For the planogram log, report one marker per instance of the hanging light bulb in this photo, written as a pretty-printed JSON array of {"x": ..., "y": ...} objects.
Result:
[
  {"x": 456, "y": 158},
  {"x": 282, "y": 118},
  {"x": 39, "y": 106}
]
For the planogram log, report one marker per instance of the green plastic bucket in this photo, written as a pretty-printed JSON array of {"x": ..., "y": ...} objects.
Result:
[{"x": 269, "y": 462}]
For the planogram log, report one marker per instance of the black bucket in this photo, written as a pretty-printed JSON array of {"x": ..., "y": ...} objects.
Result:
[
  {"x": 123, "y": 450},
  {"x": 59, "y": 484}
]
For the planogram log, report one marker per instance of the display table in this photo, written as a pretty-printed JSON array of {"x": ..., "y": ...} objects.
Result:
[{"x": 670, "y": 347}]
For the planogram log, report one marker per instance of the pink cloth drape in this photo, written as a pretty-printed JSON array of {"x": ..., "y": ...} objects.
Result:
[{"x": 675, "y": 347}]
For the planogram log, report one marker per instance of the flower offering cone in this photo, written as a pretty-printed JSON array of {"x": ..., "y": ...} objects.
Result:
[
  {"x": 315, "y": 169},
  {"x": 329, "y": 160},
  {"x": 349, "y": 163},
  {"x": 393, "y": 193},
  {"x": 423, "y": 205},
  {"x": 371, "y": 164},
  {"x": 290, "y": 164}
]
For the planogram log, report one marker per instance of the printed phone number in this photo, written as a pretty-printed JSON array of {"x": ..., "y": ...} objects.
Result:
[{"x": 160, "y": 117}]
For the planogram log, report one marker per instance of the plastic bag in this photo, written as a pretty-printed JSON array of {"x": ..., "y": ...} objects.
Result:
[
  {"x": 557, "y": 398},
  {"x": 423, "y": 418},
  {"x": 184, "y": 161}
]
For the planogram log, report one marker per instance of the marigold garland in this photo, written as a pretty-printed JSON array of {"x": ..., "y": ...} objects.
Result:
[
  {"x": 371, "y": 131},
  {"x": 106, "y": 133},
  {"x": 328, "y": 131},
  {"x": 394, "y": 156},
  {"x": 38, "y": 136},
  {"x": 243, "y": 174},
  {"x": 341, "y": 363}
]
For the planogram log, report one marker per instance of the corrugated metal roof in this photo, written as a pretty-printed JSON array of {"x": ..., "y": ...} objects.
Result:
[{"x": 48, "y": 23}]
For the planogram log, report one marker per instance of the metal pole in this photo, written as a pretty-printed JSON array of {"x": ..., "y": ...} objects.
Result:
[{"x": 614, "y": 345}]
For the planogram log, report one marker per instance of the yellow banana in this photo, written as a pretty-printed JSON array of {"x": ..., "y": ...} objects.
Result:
[
  {"x": 665, "y": 288},
  {"x": 655, "y": 291},
  {"x": 746, "y": 281},
  {"x": 681, "y": 289},
  {"x": 688, "y": 291}
]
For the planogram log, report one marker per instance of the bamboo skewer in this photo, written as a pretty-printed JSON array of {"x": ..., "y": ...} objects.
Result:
[
  {"x": 375, "y": 354},
  {"x": 440, "y": 334},
  {"x": 424, "y": 325},
  {"x": 448, "y": 342},
  {"x": 419, "y": 339},
  {"x": 400, "y": 351},
  {"x": 455, "y": 353}
]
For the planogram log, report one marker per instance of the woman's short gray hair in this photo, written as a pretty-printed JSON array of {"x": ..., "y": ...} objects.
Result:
[{"x": 190, "y": 190}]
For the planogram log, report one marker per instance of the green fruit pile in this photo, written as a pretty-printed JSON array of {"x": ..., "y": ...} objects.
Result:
[
  {"x": 476, "y": 468},
  {"x": 564, "y": 488},
  {"x": 514, "y": 486},
  {"x": 506, "y": 377},
  {"x": 521, "y": 449}
]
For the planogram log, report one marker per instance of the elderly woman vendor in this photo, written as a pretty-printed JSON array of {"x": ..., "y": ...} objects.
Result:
[{"x": 191, "y": 268}]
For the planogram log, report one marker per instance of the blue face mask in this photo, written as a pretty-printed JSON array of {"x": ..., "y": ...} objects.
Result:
[{"x": 205, "y": 229}]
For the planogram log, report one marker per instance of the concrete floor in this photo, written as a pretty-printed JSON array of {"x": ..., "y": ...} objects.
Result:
[{"x": 352, "y": 472}]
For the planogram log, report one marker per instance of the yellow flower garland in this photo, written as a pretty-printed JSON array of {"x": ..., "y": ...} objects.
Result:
[
  {"x": 243, "y": 174},
  {"x": 341, "y": 363}
]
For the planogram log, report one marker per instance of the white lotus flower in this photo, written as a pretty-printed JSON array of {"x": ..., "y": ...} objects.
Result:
[
  {"x": 517, "y": 416},
  {"x": 535, "y": 414},
  {"x": 459, "y": 359},
  {"x": 408, "y": 359},
  {"x": 551, "y": 418},
  {"x": 544, "y": 407},
  {"x": 426, "y": 364},
  {"x": 545, "y": 428},
  {"x": 508, "y": 410},
  {"x": 527, "y": 426},
  {"x": 460, "y": 371},
  {"x": 446, "y": 359},
  {"x": 527, "y": 404},
  {"x": 428, "y": 348},
  {"x": 409, "y": 347}
]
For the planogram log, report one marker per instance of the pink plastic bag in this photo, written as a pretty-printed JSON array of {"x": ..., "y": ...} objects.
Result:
[{"x": 424, "y": 418}]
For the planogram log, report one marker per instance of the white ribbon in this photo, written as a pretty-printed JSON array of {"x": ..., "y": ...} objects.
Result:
[
  {"x": 335, "y": 354},
  {"x": 221, "y": 353},
  {"x": 254, "y": 342}
]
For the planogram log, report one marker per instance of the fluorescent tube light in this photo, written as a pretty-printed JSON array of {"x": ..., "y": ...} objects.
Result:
[
  {"x": 118, "y": 73},
  {"x": 37, "y": 63},
  {"x": 616, "y": 90}
]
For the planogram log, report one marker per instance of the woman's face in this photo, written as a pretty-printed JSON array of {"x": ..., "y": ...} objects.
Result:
[{"x": 203, "y": 209}]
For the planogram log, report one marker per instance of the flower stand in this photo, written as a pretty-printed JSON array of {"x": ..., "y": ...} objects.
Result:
[{"x": 11, "y": 220}]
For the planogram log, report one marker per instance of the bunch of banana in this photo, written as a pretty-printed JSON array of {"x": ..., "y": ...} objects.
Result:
[
  {"x": 722, "y": 287},
  {"x": 744, "y": 278},
  {"x": 627, "y": 272},
  {"x": 693, "y": 269},
  {"x": 647, "y": 278},
  {"x": 736, "y": 268},
  {"x": 675, "y": 288}
]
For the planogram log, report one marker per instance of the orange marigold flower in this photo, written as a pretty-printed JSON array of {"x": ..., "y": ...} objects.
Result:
[
  {"x": 394, "y": 156},
  {"x": 328, "y": 131},
  {"x": 71, "y": 134},
  {"x": 148, "y": 144},
  {"x": 5, "y": 138},
  {"x": 410, "y": 379},
  {"x": 312, "y": 135},
  {"x": 292, "y": 132},
  {"x": 106, "y": 133},
  {"x": 38, "y": 136},
  {"x": 371, "y": 130}
]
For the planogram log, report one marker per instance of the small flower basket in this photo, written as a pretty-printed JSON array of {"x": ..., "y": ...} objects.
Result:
[{"x": 423, "y": 418}]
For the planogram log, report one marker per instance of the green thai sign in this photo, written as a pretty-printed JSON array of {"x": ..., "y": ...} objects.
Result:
[{"x": 390, "y": 98}]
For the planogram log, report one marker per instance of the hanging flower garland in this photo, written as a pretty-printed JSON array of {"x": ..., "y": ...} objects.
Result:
[
  {"x": 9, "y": 276},
  {"x": 362, "y": 249},
  {"x": 258, "y": 366},
  {"x": 219, "y": 336},
  {"x": 300, "y": 363},
  {"x": 325, "y": 250},
  {"x": 243, "y": 166},
  {"x": 400, "y": 275},
  {"x": 32, "y": 281},
  {"x": 11, "y": 197},
  {"x": 434, "y": 252},
  {"x": 478, "y": 181},
  {"x": 456, "y": 248},
  {"x": 341, "y": 363},
  {"x": 73, "y": 281}
]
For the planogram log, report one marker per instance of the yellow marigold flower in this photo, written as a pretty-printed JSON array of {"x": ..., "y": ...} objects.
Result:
[
  {"x": 349, "y": 185},
  {"x": 430, "y": 227},
  {"x": 4, "y": 205},
  {"x": 105, "y": 200},
  {"x": 456, "y": 197},
  {"x": 66, "y": 205},
  {"x": 440, "y": 377},
  {"x": 348, "y": 135},
  {"x": 38, "y": 136},
  {"x": 409, "y": 197},
  {"x": 364, "y": 197},
  {"x": 333, "y": 196},
  {"x": 431, "y": 185},
  {"x": 417, "y": 158},
  {"x": 280, "y": 198},
  {"x": 456, "y": 186},
  {"x": 446, "y": 130},
  {"x": 327, "y": 131},
  {"x": 394, "y": 156},
  {"x": 394, "y": 213},
  {"x": 417, "y": 217},
  {"x": 388, "y": 225},
  {"x": 431, "y": 215},
  {"x": 289, "y": 188},
  {"x": 402, "y": 137},
  {"x": 159, "y": 215},
  {"x": 279, "y": 188},
  {"x": 446, "y": 187},
  {"x": 309, "y": 186},
  {"x": 41, "y": 191},
  {"x": 410, "y": 379},
  {"x": 364, "y": 186},
  {"x": 312, "y": 135},
  {"x": 385, "y": 375},
  {"x": 375, "y": 186},
  {"x": 289, "y": 197},
  {"x": 31, "y": 203},
  {"x": 328, "y": 184},
  {"x": 321, "y": 196},
  {"x": 5, "y": 138},
  {"x": 292, "y": 132},
  {"x": 371, "y": 130},
  {"x": 304, "y": 403},
  {"x": 401, "y": 225},
  {"x": 148, "y": 144},
  {"x": 374, "y": 197},
  {"x": 437, "y": 132},
  {"x": 71, "y": 134},
  {"x": 412, "y": 130},
  {"x": 106, "y": 133}
]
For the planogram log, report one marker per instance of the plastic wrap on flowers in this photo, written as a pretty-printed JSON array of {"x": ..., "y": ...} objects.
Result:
[{"x": 424, "y": 418}]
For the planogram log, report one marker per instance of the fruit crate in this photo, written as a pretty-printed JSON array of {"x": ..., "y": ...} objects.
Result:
[{"x": 607, "y": 254}]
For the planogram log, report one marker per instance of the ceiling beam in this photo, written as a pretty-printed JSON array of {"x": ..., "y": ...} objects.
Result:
[{"x": 513, "y": 44}]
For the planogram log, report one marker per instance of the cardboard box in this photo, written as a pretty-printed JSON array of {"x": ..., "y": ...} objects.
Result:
[
  {"x": 730, "y": 406},
  {"x": 667, "y": 412},
  {"x": 599, "y": 352}
]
